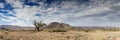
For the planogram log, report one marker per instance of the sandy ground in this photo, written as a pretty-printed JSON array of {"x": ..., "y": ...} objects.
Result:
[{"x": 69, "y": 35}]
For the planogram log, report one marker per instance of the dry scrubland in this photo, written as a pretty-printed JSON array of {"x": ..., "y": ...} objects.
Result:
[
  {"x": 69, "y": 35},
  {"x": 61, "y": 31}
]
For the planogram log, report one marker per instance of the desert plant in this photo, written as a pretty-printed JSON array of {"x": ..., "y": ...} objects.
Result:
[
  {"x": 38, "y": 25},
  {"x": 58, "y": 30},
  {"x": 88, "y": 30}
]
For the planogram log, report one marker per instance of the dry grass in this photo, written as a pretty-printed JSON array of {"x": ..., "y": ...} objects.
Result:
[{"x": 69, "y": 35}]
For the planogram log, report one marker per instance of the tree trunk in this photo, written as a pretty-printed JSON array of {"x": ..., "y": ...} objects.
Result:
[{"x": 37, "y": 28}]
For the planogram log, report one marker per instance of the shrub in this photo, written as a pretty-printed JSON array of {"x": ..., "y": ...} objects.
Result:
[
  {"x": 58, "y": 30},
  {"x": 88, "y": 30}
]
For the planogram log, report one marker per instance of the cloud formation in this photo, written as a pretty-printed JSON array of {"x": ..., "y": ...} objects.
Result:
[{"x": 74, "y": 12}]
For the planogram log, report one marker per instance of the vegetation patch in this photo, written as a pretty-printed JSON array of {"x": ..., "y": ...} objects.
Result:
[{"x": 59, "y": 31}]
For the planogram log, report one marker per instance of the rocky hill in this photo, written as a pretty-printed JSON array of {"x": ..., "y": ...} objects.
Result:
[{"x": 56, "y": 25}]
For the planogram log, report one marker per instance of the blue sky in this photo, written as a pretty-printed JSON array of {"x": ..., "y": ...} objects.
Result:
[{"x": 73, "y": 12}]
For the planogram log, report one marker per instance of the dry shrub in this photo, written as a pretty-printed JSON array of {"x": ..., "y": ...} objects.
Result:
[
  {"x": 58, "y": 30},
  {"x": 88, "y": 30}
]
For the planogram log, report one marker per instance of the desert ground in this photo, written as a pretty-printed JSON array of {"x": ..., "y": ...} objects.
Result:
[{"x": 69, "y": 35}]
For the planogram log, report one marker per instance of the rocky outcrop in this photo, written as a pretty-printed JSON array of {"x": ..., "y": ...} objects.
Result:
[{"x": 56, "y": 25}]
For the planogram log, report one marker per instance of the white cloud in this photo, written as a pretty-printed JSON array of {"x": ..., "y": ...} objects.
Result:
[
  {"x": 1, "y": 5},
  {"x": 68, "y": 12},
  {"x": 15, "y": 3}
]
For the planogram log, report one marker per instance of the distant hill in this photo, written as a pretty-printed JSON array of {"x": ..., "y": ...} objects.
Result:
[
  {"x": 104, "y": 28},
  {"x": 15, "y": 27},
  {"x": 56, "y": 25},
  {"x": 53, "y": 25}
]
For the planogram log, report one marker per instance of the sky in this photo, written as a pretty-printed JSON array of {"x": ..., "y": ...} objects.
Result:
[{"x": 73, "y": 12}]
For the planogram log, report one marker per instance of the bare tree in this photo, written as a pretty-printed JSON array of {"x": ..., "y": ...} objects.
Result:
[{"x": 38, "y": 25}]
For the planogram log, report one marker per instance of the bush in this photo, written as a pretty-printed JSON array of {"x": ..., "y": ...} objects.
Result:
[
  {"x": 88, "y": 30},
  {"x": 58, "y": 30}
]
